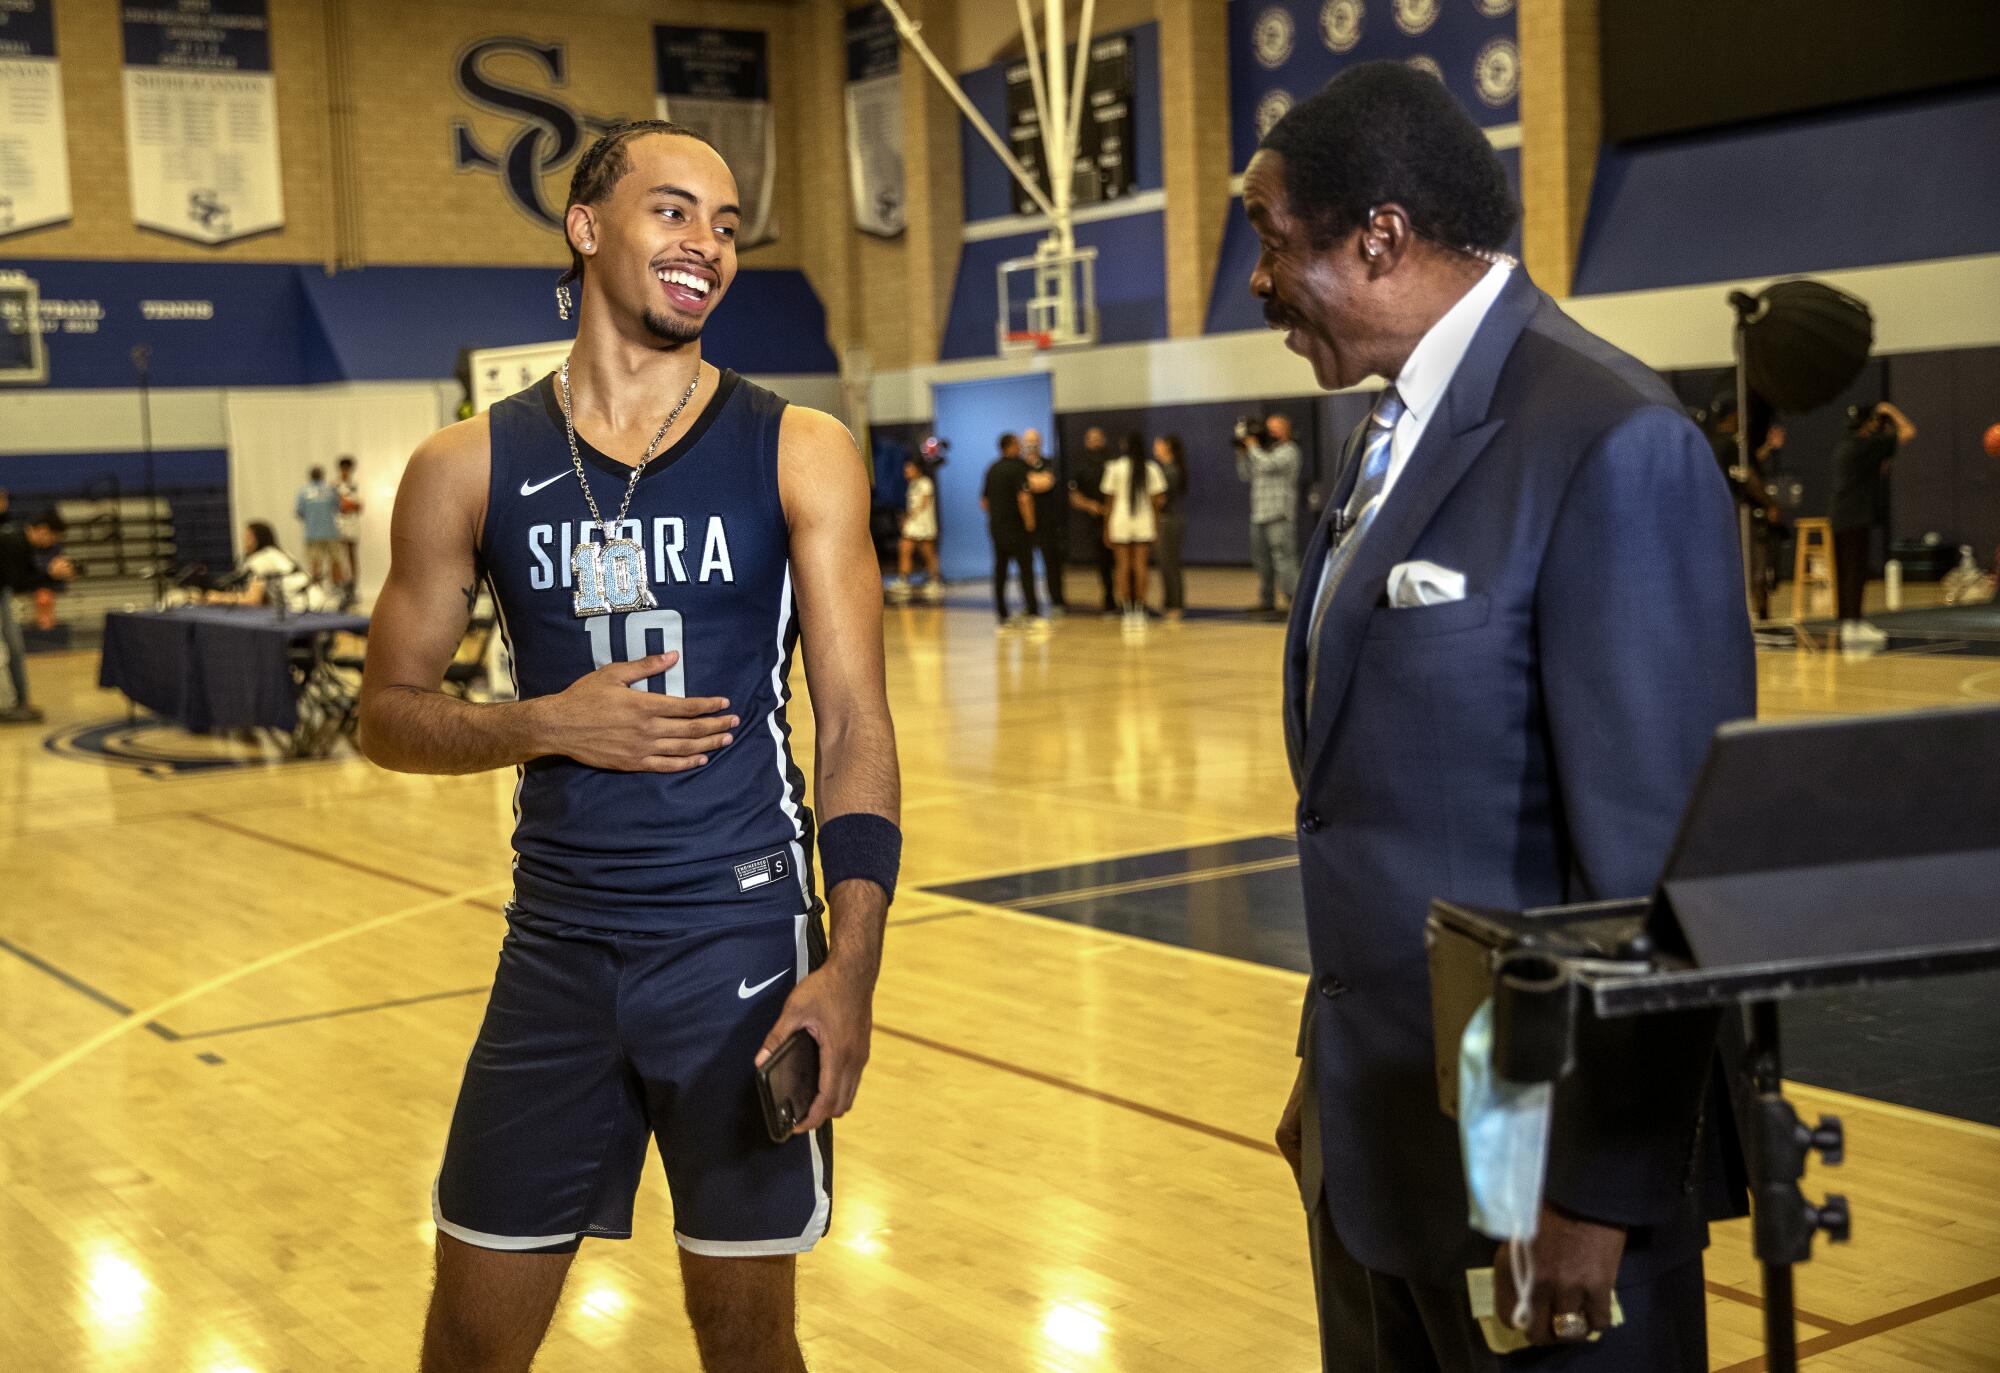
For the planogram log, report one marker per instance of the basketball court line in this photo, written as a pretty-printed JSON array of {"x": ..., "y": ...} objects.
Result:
[
  {"x": 137, "y": 1019},
  {"x": 1836, "y": 1334},
  {"x": 1080, "y": 1089},
  {"x": 70, "y": 980},
  {"x": 356, "y": 865},
  {"x": 1879, "y": 1325}
]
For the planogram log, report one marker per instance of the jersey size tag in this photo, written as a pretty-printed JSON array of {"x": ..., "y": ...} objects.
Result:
[{"x": 760, "y": 872}]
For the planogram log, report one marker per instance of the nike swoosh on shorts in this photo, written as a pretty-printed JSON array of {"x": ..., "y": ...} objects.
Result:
[
  {"x": 744, "y": 991},
  {"x": 528, "y": 490}
]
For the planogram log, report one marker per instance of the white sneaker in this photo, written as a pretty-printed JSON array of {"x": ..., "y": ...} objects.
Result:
[
  {"x": 899, "y": 589},
  {"x": 1010, "y": 625},
  {"x": 933, "y": 592},
  {"x": 1861, "y": 634},
  {"x": 1039, "y": 626}
]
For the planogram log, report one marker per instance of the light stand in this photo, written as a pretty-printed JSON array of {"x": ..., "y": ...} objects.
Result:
[
  {"x": 142, "y": 363},
  {"x": 1745, "y": 307},
  {"x": 1775, "y": 889}
]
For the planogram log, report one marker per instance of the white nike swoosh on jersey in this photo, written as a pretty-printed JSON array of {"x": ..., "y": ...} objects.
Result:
[
  {"x": 744, "y": 991},
  {"x": 528, "y": 490}
]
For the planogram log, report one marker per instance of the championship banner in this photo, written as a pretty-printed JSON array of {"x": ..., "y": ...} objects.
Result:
[
  {"x": 201, "y": 119},
  {"x": 34, "y": 145},
  {"x": 875, "y": 121},
  {"x": 718, "y": 82},
  {"x": 1105, "y": 168}
]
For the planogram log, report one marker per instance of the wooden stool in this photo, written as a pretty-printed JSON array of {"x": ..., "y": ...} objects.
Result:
[{"x": 1812, "y": 565}]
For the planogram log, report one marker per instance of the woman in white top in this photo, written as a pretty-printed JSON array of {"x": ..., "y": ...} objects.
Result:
[
  {"x": 920, "y": 532},
  {"x": 266, "y": 573},
  {"x": 1133, "y": 489}
]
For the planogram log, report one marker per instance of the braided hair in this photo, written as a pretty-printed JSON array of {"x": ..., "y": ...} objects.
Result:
[{"x": 603, "y": 165}]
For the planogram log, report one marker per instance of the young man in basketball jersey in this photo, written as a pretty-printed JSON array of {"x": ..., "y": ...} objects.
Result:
[{"x": 658, "y": 535}]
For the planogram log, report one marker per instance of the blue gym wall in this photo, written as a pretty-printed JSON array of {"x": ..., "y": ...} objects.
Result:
[
  {"x": 1267, "y": 76},
  {"x": 292, "y": 325},
  {"x": 1905, "y": 181},
  {"x": 1131, "y": 248}
]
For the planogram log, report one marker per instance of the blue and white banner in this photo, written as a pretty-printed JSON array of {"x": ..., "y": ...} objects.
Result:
[
  {"x": 201, "y": 119},
  {"x": 875, "y": 121},
  {"x": 718, "y": 82},
  {"x": 1281, "y": 51},
  {"x": 34, "y": 145}
]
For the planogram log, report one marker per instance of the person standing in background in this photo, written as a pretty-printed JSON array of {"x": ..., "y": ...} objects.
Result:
[
  {"x": 1170, "y": 459},
  {"x": 1133, "y": 490},
  {"x": 920, "y": 533},
  {"x": 1860, "y": 489},
  {"x": 318, "y": 509},
  {"x": 347, "y": 519},
  {"x": 1086, "y": 485},
  {"x": 1010, "y": 521},
  {"x": 1269, "y": 462},
  {"x": 1051, "y": 529},
  {"x": 27, "y": 564}
]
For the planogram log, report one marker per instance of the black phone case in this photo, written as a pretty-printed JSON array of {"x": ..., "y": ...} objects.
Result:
[{"x": 787, "y": 1084}]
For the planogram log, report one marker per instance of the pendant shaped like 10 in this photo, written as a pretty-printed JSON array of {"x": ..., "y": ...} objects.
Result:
[{"x": 609, "y": 576}]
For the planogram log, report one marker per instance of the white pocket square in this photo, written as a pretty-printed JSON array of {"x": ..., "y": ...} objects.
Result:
[{"x": 1421, "y": 583}]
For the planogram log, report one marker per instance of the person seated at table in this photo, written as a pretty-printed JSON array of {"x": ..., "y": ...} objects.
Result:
[{"x": 265, "y": 573}]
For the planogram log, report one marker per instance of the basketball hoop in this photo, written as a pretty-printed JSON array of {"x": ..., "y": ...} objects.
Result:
[{"x": 1026, "y": 340}]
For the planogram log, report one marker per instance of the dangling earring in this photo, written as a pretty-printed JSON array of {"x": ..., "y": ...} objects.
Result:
[{"x": 562, "y": 299}]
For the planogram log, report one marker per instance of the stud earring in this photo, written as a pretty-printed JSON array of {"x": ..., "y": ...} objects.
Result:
[{"x": 562, "y": 299}]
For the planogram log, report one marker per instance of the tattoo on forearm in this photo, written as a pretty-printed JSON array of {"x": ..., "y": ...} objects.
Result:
[{"x": 471, "y": 594}]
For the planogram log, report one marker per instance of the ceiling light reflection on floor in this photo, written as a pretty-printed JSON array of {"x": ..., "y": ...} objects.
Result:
[
  {"x": 1076, "y": 1326},
  {"x": 602, "y": 1302},
  {"x": 115, "y": 1291}
]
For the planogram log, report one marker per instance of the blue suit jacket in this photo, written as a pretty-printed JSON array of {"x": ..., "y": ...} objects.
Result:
[{"x": 1529, "y": 745}]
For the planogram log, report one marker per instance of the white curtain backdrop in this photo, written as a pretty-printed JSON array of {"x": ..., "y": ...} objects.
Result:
[{"x": 276, "y": 434}]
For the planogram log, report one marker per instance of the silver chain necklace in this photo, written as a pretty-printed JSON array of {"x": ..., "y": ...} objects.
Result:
[{"x": 611, "y": 574}]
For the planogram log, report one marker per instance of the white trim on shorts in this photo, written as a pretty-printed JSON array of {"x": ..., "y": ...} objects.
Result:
[
  {"x": 483, "y": 1240},
  {"x": 822, "y": 1204}
]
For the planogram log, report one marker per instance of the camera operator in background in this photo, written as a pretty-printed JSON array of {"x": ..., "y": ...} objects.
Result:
[
  {"x": 1268, "y": 459},
  {"x": 29, "y": 562},
  {"x": 1860, "y": 499}
]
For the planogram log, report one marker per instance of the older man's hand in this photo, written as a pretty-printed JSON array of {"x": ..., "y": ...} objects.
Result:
[
  {"x": 1290, "y": 1136},
  {"x": 1575, "y": 1264}
]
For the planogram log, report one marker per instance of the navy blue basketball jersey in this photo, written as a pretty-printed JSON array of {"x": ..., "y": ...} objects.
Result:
[{"x": 640, "y": 850}]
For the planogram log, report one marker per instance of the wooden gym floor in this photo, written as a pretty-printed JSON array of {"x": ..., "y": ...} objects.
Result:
[{"x": 235, "y": 1002}]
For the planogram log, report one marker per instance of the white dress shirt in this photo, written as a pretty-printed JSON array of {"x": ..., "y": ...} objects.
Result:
[{"x": 1425, "y": 375}]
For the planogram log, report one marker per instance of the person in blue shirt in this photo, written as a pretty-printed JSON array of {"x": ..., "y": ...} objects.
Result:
[{"x": 318, "y": 508}]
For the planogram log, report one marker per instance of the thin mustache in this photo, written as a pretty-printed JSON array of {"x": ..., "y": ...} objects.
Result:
[{"x": 1275, "y": 316}]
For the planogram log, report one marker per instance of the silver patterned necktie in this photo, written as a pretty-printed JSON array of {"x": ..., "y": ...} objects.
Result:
[{"x": 1367, "y": 496}]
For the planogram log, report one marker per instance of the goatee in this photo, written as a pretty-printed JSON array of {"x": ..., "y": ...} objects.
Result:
[{"x": 668, "y": 329}]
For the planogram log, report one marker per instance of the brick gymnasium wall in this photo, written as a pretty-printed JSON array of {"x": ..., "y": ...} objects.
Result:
[
  {"x": 416, "y": 208},
  {"x": 92, "y": 55},
  {"x": 377, "y": 76}
]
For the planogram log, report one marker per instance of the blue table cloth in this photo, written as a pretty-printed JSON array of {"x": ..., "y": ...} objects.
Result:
[{"x": 214, "y": 667}]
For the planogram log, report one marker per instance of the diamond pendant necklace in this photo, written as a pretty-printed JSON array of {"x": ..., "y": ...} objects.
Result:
[{"x": 611, "y": 575}]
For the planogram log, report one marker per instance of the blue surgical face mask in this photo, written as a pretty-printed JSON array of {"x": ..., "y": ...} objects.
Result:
[{"x": 1503, "y": 1132}]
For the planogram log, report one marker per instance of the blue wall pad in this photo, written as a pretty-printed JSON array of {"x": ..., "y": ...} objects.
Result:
[
  {"x": 972, "y": 415},
  {"x": 278, "y": 324},
  {"x": 1903, "y": 182}
]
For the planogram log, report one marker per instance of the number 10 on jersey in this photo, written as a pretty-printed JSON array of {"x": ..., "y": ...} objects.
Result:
[{"x": 646, "y": 632}]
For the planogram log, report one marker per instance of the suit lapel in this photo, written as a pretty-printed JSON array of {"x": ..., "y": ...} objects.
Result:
[
  {"x": 1454, "y": 438},
  {"x": 1304, "y": 597}
]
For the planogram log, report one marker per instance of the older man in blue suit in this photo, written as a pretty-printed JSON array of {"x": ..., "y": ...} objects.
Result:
[{"x": 1515, "y": 631}]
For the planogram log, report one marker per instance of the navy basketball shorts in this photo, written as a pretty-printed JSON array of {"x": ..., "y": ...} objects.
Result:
[{"x": 597, "y": 1041}]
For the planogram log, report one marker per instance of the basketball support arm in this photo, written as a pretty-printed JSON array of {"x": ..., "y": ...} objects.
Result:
[{"x": 912, "y": 35}]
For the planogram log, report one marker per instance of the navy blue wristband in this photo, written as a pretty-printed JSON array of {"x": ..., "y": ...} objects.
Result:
[{"x": 861, "y": 845}]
